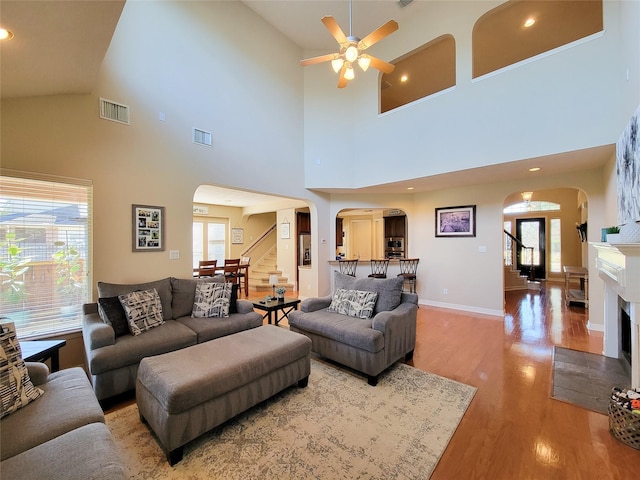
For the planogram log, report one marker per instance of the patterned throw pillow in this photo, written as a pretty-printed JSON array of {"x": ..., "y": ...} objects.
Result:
[
  {"x": 17, "y": 389},
  {"x": 143, "y": 310},
  {"x": 355, "y": 303},
  {"x": 112, "y": 313},
  {"x": 212, "y": 300}
]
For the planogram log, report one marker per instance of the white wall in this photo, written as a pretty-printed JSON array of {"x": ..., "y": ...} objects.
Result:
[{"x": 572, "y": 99}]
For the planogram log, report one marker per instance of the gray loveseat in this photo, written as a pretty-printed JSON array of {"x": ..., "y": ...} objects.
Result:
[
  {"x": 60, "y": 434},
  {"x": 113, "y": 359},
  {"x": 368, "y": 345}
]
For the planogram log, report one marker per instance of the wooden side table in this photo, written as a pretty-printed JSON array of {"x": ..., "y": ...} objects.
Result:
[
  {"x": 42, "y": 350},
  {"x": 275, "y": 305}
]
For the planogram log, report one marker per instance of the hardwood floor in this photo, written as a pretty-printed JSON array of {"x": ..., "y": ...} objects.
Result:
[{"x": 513, "y": 429}]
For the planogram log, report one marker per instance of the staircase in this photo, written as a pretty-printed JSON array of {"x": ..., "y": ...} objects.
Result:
[
  {"x": 514, "y": 280},
  {"x": 259, "y": 274}
]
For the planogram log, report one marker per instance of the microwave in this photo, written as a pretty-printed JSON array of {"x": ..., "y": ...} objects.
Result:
[{"x": 395, "y": 243}]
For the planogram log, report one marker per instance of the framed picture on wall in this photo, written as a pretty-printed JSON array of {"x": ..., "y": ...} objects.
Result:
[
  {"x": 284, "y": 230},
  {"x": 456, "y": 221},
  {"x": 237, "y": 235},
  {"x": 147, "y": 224}
]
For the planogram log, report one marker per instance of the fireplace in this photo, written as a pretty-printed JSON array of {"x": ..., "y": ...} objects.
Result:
[
  {"x": 619, "y": 266},
  {"x": 625, "y": 334}
]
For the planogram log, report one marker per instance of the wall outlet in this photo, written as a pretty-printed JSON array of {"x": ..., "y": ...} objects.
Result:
[
  {"x": 445, "y": 291},
  {"x": 174, "y": 254}
]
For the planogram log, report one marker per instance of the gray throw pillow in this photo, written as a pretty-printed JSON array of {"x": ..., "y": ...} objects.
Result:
[
  {"x": 143, "y": 309},
  {"x": 389, "y": 290},
  {"x": 354, "y": 303}
]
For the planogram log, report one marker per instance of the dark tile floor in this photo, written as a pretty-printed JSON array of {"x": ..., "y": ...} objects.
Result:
[{"x": 586, "y": 379}]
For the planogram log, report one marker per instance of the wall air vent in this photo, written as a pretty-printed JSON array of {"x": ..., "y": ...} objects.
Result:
[
  {"x": 201, "y": 137},
  {"x": 113, "y": 111}
]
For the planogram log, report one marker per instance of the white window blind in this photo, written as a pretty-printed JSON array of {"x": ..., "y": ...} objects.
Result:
[{"x": 45, "y": 241}]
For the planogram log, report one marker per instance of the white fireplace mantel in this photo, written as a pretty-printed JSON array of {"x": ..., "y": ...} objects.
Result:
[{"x": 619, "y": 266}]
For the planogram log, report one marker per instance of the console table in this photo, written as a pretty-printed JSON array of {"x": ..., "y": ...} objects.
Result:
[{"x": 576, "y": 295}]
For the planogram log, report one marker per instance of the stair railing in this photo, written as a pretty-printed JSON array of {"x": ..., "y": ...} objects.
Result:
[
  {"x": 511, "y": 258},
  {"x": 258, "y": 241}
]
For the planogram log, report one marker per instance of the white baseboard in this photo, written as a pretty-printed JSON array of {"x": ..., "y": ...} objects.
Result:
[{"x": 465, "y": 308}]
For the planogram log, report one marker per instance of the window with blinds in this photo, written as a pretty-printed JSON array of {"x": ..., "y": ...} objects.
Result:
[{"x": 45, "y": 240}]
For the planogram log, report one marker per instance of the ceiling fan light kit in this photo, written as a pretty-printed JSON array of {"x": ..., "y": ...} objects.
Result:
[{"x": 351, "y": 50}]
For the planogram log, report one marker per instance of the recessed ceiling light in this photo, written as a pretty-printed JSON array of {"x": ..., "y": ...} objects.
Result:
[
  {"x": 5, "y": 34},
  {"x": 529, "y": 22},
  {"x": 404, "y": 78},
  {"x": 534, "y": 169},
  {"x": 410, "y": 188}
]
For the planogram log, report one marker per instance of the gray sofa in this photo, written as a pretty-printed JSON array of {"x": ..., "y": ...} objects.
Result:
[
  {"x": 113, "y": 360},
  {"x": 368, "y": 345},
  {"x": 60, "y": 434}
]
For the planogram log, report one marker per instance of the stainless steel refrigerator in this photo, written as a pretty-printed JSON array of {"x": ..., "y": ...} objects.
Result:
[{"x": 304, "y": 250}]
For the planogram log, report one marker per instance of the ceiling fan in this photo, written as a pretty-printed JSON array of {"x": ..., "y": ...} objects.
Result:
[{"x": 351, "y": 50}]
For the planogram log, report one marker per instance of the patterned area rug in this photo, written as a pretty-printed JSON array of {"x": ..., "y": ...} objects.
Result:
[{"x": 338, "y": 427}]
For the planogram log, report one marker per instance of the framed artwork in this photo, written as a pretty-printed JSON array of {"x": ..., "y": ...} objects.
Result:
[
  {"x": 456, "y": 221},
  {"x": 147, "y": 224},
  {"x": 237, "y": 235},
  {"x": 628, "y": 169},
  {"x": 284, "y": 230}
]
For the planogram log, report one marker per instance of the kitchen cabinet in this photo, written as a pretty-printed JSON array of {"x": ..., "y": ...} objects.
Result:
[
  {"x": 394, "y": 226},
  {"x": 304, "y": 223},
  {"x": 339, "y": 227}
]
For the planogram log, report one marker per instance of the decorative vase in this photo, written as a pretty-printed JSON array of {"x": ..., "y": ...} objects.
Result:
[
  {"x": 280, "y": 296},
  {"x": 630, "y": 233}
]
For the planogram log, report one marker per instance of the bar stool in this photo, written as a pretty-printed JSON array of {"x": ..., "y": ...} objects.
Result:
[
  {"x": 348, "y": 267},
  {"x": 408, "y": 269},
  {"x": 379, "y": 268}
]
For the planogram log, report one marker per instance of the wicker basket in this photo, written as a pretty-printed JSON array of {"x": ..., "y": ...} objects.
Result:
[{"x": 624, "y": 424}]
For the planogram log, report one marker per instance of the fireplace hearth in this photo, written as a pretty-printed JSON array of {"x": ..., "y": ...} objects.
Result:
[{"x": 619, "y": 266}]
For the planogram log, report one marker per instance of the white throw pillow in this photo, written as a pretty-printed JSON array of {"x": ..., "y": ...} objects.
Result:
[
  {"x": 212, "y": 300},
  {"x": 354, "y": 303},
  {"x": 17, "y": 388},
  {"x": 143, "y": 309}
]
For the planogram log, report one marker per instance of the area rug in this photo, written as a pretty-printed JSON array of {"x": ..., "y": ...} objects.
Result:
[
  {"x": 586, "y": 379},
  {"x": 338, "y": 427}
]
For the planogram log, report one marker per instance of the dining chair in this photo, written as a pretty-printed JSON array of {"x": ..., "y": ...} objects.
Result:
[
  {"x": 207, "y": 268},
  {"x": 231, "y": 273},
  {"x": 379, "y": 268},
  {"x": 408, "y": 269},
  {"x": 243, "y": 275},
  {"x": 348, "y": 267}
]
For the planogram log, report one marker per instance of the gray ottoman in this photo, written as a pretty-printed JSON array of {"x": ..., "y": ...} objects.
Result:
[{"x": 186, "y": 393}]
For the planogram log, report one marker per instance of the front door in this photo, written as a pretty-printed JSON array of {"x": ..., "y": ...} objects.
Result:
[{"x": 531, "y": 261}]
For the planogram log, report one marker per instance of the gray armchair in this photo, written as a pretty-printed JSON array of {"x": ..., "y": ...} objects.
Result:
[{"x": 368, "y": 345}]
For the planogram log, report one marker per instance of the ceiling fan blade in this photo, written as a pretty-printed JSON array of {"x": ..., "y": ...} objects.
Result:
[
  {"x": 342, "y": 82},
  {"x": 334, "y": 29},
  {"x": 320, "y": 59},
  {"x": 378, "y": 34},
  {"x": 381, "y": 65}
]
